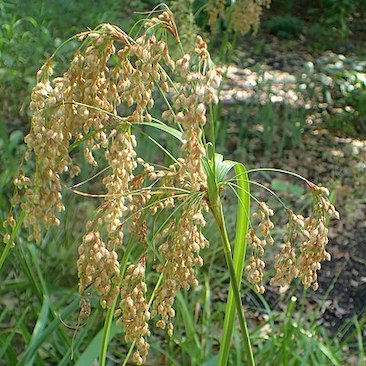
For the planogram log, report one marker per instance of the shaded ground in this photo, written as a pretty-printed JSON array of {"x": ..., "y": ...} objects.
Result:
[{"x": 332, "y": 158}]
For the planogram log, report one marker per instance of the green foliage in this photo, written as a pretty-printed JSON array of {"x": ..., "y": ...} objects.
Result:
[
  {"x": 30, "y": 32},
  {"x": 285, "y": 27},
  {"x": 276, "y": 127},
  {"x": 11, "y": 152},
  {"x": 280, "y": 186},
  {"x": 293, "y": 338},
  {"x": 333, "y": 23},
  {"x": 326, "y": 23}
]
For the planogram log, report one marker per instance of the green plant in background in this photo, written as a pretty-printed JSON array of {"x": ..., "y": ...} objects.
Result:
[
  {"x": 30, "y": 32},
  {"x": 10, "y": 154},
  {"x": 335, "y": 17},
  {"x": 225, "y": 21},
  {"x": 286, "y": 27},
  {"x": 298, "y": 340},
  {"x": 149, "y": 217}
]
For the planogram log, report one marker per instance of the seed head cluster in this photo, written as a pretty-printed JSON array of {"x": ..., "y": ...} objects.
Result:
[
  {"x": 304, "y": 248},
  {"x": 195, "y": 90},
  {"x": 121, "y": 157},
  {"x": 182, "y": 242},
  {"x": 255, "y": 269},
  {"x": 241, "y": 16},
  {"x": 133, "y": 311},
  {"x": 98, "y": 267},
  {"x": 315, "y": 233}
]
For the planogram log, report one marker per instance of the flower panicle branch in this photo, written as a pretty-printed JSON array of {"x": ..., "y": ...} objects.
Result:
[
  {"x": 110, "y": 88},
  {"x": 109, "y": 74}
]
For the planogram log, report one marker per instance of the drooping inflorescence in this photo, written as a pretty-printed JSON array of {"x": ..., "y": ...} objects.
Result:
[
  {"x": 304, "y": 248},
  {"x": 97, "y": 105},
  {"x": 108, "y": 93}
]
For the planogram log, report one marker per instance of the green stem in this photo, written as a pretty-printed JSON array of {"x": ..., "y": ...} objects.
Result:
[
  {"x": 219, "y": 217},
  {"x": 106, "y": 332},
  {"x": 235, "y": 267}
]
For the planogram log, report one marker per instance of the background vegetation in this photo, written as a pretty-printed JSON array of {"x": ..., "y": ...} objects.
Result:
[{"x": 294, "y": 98}]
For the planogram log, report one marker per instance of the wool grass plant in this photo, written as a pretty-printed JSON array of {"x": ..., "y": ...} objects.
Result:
[{"x": 150, "y": 217}]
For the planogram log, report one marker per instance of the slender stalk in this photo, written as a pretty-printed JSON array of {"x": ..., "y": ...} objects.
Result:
[
  {"x": 220, "y": 221},
  {"x": 106, "y": 333},
  {"x": 219, "y": 217},
  {"x": 215, "y": 181},
  {"x": 287, "y": 330},
  {"x": 242, "y": 224}
]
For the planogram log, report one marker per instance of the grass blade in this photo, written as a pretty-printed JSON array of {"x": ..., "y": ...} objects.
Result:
[
  {"x": 38, "y": 330},
  {"x": 50, "y": 329},
  {"x": 91, "y": 353},
  {"x": 242, "y": 225}
]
